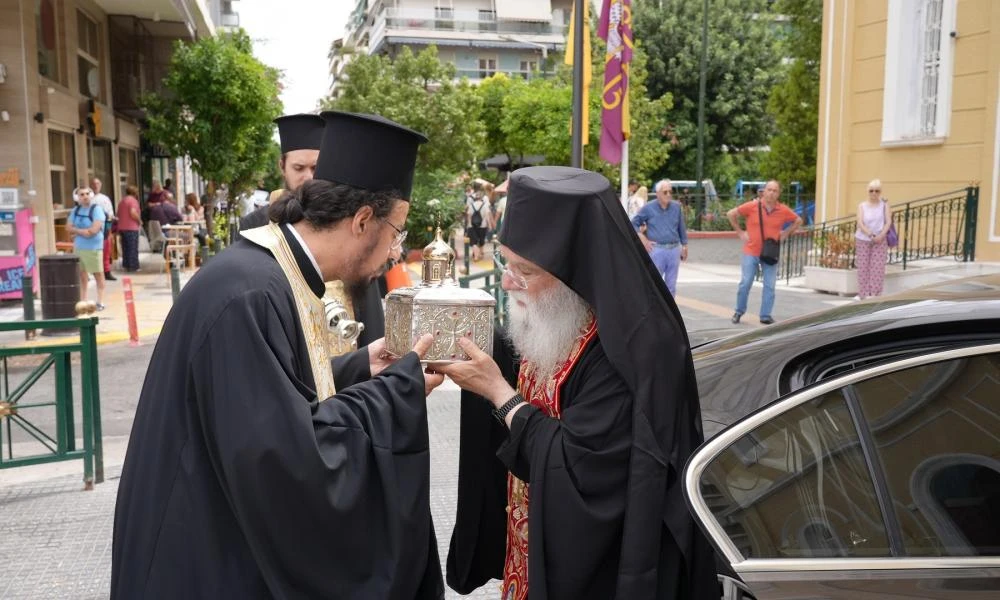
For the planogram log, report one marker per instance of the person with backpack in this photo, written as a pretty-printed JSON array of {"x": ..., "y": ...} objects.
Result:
[
  {"x": 478, "y": 215},
  {"x": 86, "y": 224}
]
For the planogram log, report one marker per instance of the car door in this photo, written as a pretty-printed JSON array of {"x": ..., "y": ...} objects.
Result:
[{"x": 880, "y": 483}]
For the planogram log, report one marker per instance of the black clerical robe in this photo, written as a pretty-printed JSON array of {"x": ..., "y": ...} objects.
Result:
[
  {"x": 577, "y": 469},
  {"x": 240, "y": 483},
  {"x": 367, "y": 306}
]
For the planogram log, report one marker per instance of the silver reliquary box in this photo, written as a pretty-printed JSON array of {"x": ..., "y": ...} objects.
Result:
[{"x": 440, "y": 307}]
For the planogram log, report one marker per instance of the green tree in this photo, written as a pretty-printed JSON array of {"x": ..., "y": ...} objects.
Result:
[
  {"x": 535, "y": 119},
  {"x": 742, "y": 66},
  {"x": 794, "y": 102},
  {"x": 418, "y": 91},
  {"x": 217, "y": 108}
]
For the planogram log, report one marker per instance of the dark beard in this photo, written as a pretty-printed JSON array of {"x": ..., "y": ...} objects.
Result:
[{"x": 356, "y": 288}]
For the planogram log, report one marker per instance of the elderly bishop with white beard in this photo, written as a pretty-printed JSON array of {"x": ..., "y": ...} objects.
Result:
[{"x": 577, "y": 429}]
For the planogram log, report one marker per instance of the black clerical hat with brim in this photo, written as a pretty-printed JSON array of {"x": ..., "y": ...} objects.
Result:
[
  {"x": 300, "y": 132},
  {"x": 369, "y": 152}
]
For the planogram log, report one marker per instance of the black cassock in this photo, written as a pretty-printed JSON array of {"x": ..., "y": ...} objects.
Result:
[
  {"x": 367, "y": 306},
  {"x": 238, "y": 483},
  {"x": 577, "y": 467}
]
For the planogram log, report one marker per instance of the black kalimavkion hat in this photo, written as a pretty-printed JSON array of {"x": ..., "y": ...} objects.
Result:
[
  {"x": 369, "y": 152},
  {"x": 300, "y": 132}
]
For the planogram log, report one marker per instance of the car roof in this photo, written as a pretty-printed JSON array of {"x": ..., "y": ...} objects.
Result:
[{"x": 742, "y": 373}]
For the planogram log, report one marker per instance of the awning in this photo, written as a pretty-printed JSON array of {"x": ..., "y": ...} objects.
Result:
[{"x": 524, "y": 10}]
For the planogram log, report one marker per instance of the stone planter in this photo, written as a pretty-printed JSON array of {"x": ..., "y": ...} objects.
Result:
[{"x": 834, "y": 281}]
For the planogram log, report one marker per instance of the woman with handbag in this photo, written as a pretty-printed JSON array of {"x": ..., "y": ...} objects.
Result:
[{"x": 871, "y": 250}]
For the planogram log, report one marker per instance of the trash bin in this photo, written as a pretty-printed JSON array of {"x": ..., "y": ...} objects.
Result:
[{"x": 59, "y": 286}]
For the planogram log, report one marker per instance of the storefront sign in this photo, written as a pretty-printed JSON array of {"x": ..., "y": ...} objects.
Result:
[
  {"x": 10, "y": 178},
  {"x": 11, "y": 279}
]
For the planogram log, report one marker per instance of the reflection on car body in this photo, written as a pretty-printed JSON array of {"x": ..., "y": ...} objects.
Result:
[{"x": 878, "y": 469}]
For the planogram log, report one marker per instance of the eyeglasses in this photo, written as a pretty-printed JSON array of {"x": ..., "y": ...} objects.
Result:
[
  {"x": 517, "y": 280},
  {"x": 399, "y": 238},
  {"x": 875, "y": 190}
]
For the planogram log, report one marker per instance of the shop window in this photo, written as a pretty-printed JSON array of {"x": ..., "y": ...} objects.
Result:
[{"x": 62, "y": 168}]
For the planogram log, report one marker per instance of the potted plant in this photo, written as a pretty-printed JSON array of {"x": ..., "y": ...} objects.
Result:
[{"x": 834, "y": 256}]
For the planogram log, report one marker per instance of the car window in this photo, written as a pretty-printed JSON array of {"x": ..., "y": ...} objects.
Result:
[
  {"x": 936, "y": 430},
  {"x": 798, "y": 487}
]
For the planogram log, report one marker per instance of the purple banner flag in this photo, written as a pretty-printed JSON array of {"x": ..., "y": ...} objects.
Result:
[{"x": 616, "y": 29}]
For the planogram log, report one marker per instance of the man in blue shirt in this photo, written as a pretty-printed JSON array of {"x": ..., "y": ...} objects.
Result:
[{"x": 665, "y": 237}]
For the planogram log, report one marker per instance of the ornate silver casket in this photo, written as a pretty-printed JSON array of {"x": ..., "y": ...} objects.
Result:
[{"x": 440, "y": 307}]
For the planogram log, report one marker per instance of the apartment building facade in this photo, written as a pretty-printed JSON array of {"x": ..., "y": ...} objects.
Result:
[
  {"x": 71, "y": 76},
  {"x": 480, "y": 37}
]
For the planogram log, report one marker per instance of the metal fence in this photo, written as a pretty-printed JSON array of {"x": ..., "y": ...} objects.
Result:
[
  {"x": 933, "y": 227},
  {"x": 57, "y": 439}
]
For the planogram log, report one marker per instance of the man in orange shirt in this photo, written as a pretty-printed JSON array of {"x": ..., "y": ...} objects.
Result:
[{"x": 775, "y": 216}]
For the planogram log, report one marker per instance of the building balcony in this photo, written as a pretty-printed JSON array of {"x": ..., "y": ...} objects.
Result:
[
  {"x": 461, "y": 28},
  {"x": 477, "y": 75},
  {"x": 465, "y": 22}
]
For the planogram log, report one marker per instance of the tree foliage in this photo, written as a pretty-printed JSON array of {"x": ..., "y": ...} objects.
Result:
[
  {"x": 217, "y": 108},
  {"x": 794, "y": 102},
  {"x": 418, "y": 91},
  {"x": 534, "y": 117},
  {"x": 741, "y": 68}
]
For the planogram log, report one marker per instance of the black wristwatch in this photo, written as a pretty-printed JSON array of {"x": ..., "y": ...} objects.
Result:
[{"x": 502, "y": 412}]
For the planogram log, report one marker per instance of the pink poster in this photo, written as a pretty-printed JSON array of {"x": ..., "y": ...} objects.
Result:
[{"x": 17, "y": 253}]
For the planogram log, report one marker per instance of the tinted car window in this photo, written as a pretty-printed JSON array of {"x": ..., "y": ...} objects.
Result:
[
  {"x": 798, "y": 487},
  {"x": 936, "y": 429}
]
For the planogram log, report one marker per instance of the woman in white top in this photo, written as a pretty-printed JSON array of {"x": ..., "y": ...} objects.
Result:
[
  {"x": 871, "y": 251},
  {"x": 637, "y": 201}
]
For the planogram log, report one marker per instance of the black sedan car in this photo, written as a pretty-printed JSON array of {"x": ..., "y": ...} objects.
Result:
[{"x": 855, "y": 453}]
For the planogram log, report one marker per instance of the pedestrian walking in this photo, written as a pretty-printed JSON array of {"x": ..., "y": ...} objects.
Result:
[
  {"x": 765, "y": 221},
  {"x": 106, "y": 205},
  {"x": 129, "y": 224},
  {"x": 665, "y": 237},
  {"x": 86, "y": 224}
]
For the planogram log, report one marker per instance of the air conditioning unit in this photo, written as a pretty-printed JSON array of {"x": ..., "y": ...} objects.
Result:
[{"x": 8, "y": 199}]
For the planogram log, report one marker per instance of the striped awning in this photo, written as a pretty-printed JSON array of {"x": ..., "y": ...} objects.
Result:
[{"x": 524, "y": 10}]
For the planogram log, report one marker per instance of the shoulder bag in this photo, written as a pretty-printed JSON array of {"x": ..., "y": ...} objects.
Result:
[{"x": 771, "y": 250}]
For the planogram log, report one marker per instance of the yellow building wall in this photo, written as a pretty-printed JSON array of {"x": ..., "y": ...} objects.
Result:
[{"x": 852, "y": 81}]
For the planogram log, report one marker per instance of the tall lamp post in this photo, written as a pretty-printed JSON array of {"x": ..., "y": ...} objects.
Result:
[{"x": 700, "y": 168}]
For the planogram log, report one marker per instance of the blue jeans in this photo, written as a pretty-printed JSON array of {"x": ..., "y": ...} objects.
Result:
[
  {"x": 748, "y": 271},
  {"x": 668, "y": 262}
]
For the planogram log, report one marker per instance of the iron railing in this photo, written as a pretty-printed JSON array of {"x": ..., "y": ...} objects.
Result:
[
  {"x": 937, "y": 226},
  {"x": 56, "y": 439}
]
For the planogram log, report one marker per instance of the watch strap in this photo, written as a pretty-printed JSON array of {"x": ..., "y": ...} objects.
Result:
[{"x": 502, "y": 412}]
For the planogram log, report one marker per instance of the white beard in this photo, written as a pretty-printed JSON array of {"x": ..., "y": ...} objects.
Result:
[{"x": 545, "y": 329}]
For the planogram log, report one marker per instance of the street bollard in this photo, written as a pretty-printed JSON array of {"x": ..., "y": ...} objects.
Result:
[
  {"x": 204, "y": 255},
  {"x": 175, "y": 280},
  {"x": 465, "y": 252},
  {"x": 28, "y": 298},
  {"x": 133, "y": 327}
]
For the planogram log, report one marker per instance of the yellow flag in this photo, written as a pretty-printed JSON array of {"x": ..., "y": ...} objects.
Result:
[{"x": 587, "y": 70}]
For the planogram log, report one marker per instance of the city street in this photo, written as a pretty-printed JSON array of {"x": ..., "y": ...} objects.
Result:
[{"x": 56, "y": 539}]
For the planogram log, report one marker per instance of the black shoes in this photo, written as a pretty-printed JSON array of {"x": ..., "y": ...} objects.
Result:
[
  {"x": 109, "y": 277},
  {"x": 766, "y": 321},
  {"x": 736, "y": 318}
]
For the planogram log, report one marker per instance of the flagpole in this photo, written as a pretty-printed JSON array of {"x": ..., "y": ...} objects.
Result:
[
  {"x": 576, "y": 159},
  {"x": 625, "y": 174}
]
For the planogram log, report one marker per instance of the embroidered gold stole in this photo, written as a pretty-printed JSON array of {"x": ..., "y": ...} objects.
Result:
[
  {"x": 544, "y": 395},
  {"x": 311, "y": 311}
]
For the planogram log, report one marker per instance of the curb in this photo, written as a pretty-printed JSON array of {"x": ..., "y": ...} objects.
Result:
[{"x": 109, "y": 337}]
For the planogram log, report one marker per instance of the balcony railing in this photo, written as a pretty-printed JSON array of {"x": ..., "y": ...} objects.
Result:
[
  {"x": 483, "y": 74},
  {"x": 934, "y": 227},
  {"x": 464, "y": 22}
]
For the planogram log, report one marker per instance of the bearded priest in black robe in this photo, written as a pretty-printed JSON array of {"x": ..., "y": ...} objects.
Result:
[
  {"x": 301, "y": 136},
  {"x": 254, "y": 470},
  {"x": 604, "y": 415}
]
